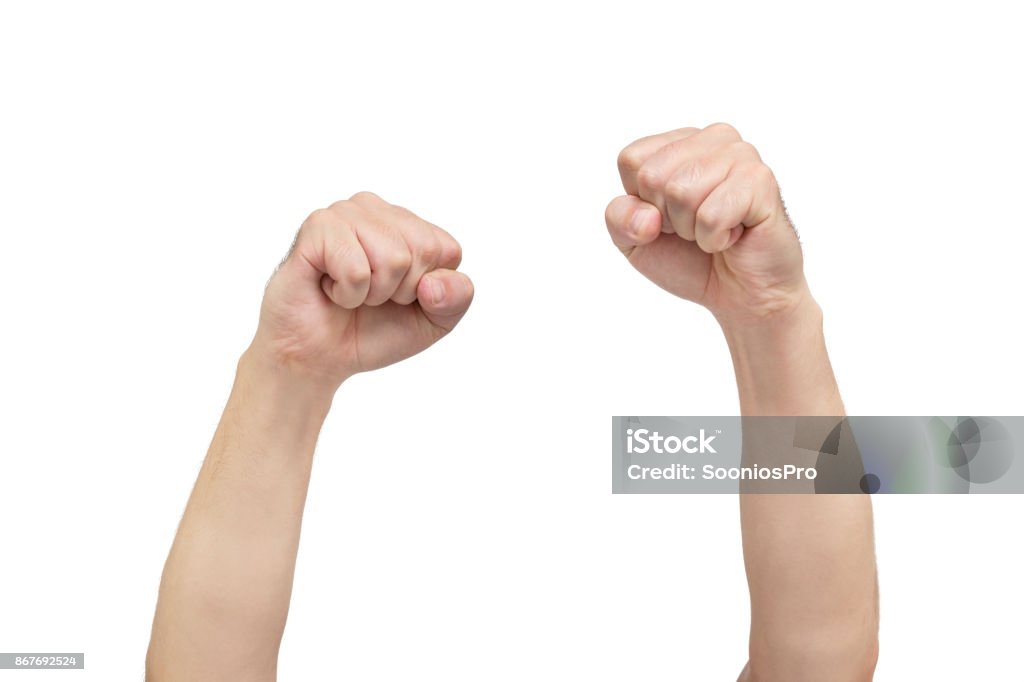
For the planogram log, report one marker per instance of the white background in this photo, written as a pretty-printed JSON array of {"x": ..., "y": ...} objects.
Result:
[{"x": 155, "y": 163}]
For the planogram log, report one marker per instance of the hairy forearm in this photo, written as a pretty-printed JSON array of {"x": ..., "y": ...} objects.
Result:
[
  {"x": 809, "y": 558},
  {"x": 227, "y": 582}
]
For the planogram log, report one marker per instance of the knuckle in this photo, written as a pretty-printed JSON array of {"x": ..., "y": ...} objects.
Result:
[
  {"x": 451, "y": 251},
  {"x": 357, "y": 276},
  {"x": 365, "y": 197},
  {"x": 682, "y": 187},
  {"x": 340, "y": 207},
  {"x": 710, "y": 215},
  {"x": 399, "y": 260},
  {"x": 759, "y": 174},
  {"x": 405, "y": 213},
  {"x": 345, "y": 213},
  {"x": 429, "y": 250},
  {"x": 630, "y": 160},
  {"x": 650, "y": 178},
  {"x": 403, "y": 297},
  {"x": 742, "y": 148},
  {"x": 318, "y": 219},
  {"x": 724, "y": 129}
]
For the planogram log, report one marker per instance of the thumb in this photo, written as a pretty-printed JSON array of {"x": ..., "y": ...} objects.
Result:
[{"x": 444, "y": 296}]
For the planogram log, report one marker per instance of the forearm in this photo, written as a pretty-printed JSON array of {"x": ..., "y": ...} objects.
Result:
[
  {"x": 782, "y": 366},
  {"x": 227, "y": 582},
  {"x": 366, "y": 284},
  {"x": 809, "y": 558}
]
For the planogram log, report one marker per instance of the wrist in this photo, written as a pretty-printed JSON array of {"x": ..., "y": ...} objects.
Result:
[
  {"x": 781, "y": 362},
  {"x": 283, "y": 400},
  {"x": 784, "y": 330},
  {"x": 296, "y": 370}
]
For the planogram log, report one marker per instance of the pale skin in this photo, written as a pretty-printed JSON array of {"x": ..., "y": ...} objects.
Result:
[
  {"x": 367, "y": 284},
  {"x": 702, "y": 217}
]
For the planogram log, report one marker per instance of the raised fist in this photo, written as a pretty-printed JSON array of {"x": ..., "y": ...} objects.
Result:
[
  {"x": 702, "y": 218},
  {"x": 366, "y": 284}
]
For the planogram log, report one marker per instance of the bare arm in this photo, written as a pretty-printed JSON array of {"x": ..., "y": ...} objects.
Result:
[
  {"x": 366, "y": 285},
  {"x": 702, "y": 217},
  {"x": 809, "y": 558},
  {"x": 227, "y": 582}
]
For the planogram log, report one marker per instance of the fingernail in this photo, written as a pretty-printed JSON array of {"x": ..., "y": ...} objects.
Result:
[
  {"x": 640, "y": 218},
  {"x": 436, "y": 290}
]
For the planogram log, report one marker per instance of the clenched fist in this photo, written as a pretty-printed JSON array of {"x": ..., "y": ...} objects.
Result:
[
  {"x": 702, "y": 218},
  {"x": 365, "y": 285}
]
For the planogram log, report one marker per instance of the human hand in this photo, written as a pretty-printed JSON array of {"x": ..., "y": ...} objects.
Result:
[
  {"x": 365, "y": 285},
  {"x": 703, "y": 218}
]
